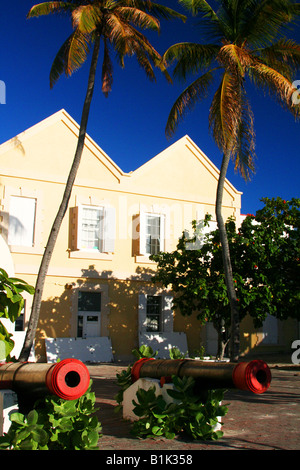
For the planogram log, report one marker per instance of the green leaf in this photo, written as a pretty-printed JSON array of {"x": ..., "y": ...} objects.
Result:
[
  {"x": 32, "y": 417},
  {"x": 17, "y": 418}
]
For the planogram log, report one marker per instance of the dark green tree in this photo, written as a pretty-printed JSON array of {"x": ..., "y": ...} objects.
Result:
[{"x": 265, "y": 254}]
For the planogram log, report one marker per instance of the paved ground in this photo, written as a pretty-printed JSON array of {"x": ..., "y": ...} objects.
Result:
[{"x": 270, "y": 421}]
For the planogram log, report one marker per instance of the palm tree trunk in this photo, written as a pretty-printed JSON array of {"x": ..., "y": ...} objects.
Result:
[
  {"x": 235, "y": 335},
  {"x": 37, "y": 299}
]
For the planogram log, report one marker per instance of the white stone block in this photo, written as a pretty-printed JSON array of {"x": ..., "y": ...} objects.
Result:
[
  {"x": 146, "y": 383},
  {"x": 93, "y": 349},
  {"x": 8, "y": 405}
]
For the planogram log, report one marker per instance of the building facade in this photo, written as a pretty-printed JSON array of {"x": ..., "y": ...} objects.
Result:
[{"x": 99, "y": 284}]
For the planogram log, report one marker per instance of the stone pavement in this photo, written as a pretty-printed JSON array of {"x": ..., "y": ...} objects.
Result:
[{"x": 270, "y": 421}]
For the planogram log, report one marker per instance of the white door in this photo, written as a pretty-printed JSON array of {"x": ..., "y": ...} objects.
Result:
[
  {"x": 89, "y": 314},
  {"x": 92, "y": 325}
]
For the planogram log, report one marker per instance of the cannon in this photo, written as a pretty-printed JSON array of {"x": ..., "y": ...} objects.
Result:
[
  {"x": 146, "y": 373},
  {"x": 253, "y": 376},
  {"x": 68, "y": 379}
]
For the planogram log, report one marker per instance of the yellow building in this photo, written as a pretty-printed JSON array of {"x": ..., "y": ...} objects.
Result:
[{"x": 98, "y": 291}]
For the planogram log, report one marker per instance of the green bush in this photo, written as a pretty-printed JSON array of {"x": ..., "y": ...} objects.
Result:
[
  {"x": 55, "y": 424},
  {"x": 11, "y": 304},
  {"x": 190, "y": 414}
]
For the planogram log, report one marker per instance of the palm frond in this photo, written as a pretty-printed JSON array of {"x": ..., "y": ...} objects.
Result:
[
  {"x": 197, "y": 7},
  {"x": 243, "y": 153},
  {"x": 285, "y": 51},
  {"x": 46, "y": 8},
  {"x": 139, "y": 18},
  {"x": 70, "y": 56},
  {"x": 128, "y": 41},
  {"x": 279, "y": 86},
  {"x": 191, "y": 58},
  {"x": 87, "y": 18},
  {"x": 197, "y": 91},
  {"x": 211, "y": 23},
  {"x": 235, "y": 58},
  {"x": 225, "y": 112},
  {"x": 157, "y": 10},
  {"x": 264, "y": 21}
]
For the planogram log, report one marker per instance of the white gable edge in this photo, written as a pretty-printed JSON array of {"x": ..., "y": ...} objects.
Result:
[
  {"x": 199, "y": 155},
  {"x": 72, "y": 126}
]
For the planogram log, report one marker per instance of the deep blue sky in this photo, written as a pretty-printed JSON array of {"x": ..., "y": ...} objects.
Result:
[{"x": 129, "y": 125}]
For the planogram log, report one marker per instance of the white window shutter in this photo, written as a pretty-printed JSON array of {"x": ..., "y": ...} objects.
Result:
[
  {"x": 167, "y": 313},
  {"x": 109, "y": 229},
  {"x": 21, "y": 221},
  {"x": 142, "y": 312},
  {"x": 162, "y": 232}
]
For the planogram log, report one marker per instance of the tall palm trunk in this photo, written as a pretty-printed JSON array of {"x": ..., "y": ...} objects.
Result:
[
  {"x": 36, "y": 305},
  {"x": 235, "y": 336}
]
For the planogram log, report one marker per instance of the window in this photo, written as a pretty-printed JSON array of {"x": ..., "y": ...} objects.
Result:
[
  {"x": 153, "y": 313},
  {"x": 89, "y": 311},
  {"x": 21, "y": 223},
  {"x": 93, "y": 229},
  {"x": 152, "y": 233},
  {"x": 90, "y": 228}
]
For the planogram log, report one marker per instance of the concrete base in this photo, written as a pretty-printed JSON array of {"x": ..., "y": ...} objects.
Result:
[
  {"x": 94, "y": 349},
  {"x": 8, "y": 405},
  {"x": 144, "y": 383}
]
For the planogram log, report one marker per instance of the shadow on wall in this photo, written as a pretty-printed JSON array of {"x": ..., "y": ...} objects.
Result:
[
  {"x": 119, "y": 313},
  {"x": 119, "y": 309}
]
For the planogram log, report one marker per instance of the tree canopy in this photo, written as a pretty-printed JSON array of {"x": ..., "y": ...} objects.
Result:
[{"x": 265, "y": 253}]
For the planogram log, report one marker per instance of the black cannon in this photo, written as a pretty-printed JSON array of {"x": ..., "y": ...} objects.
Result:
[
  {"x": 68, "y": 379},
  {"x": 253, "y": 376}
]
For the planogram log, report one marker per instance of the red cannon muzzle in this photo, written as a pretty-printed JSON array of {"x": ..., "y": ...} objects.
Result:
[
  {"x": 253, "y": 376},
  {"x": 68, "y": 379}
]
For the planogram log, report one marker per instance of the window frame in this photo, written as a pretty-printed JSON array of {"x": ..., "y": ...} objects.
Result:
[
  {"x": 80, "y": 245},
  {"x": 107, "y": 233},
  {"x": 167, "y": 312},
  {"x": 144, "y": 215},
  {"x": 151, "y": 316}
]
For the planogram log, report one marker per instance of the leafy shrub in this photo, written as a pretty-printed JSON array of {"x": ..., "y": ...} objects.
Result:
[
  {"x": 189, "y": 415},
  {"x": 55, "y": 424},
  {"x": 11, "y": 304}
]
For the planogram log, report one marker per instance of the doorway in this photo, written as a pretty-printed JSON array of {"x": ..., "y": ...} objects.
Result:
[{"x": 89, "y": 314}]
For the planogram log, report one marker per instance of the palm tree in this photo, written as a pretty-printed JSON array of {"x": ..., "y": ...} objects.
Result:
[
  {"x": 117, "y": 25},
  {"x": 245, "y": 40}
]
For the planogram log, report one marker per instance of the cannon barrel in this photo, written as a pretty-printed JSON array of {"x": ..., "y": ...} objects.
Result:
[
  {"x": 253, "y": 376},
  {"x": 68, "y": 379}
]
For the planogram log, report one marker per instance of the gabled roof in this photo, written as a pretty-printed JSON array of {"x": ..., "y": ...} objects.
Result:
[
  {"x": 184, "y": 163},
  {"x": 181, "y": 171},
  {"x": 62, "y": 116}
]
